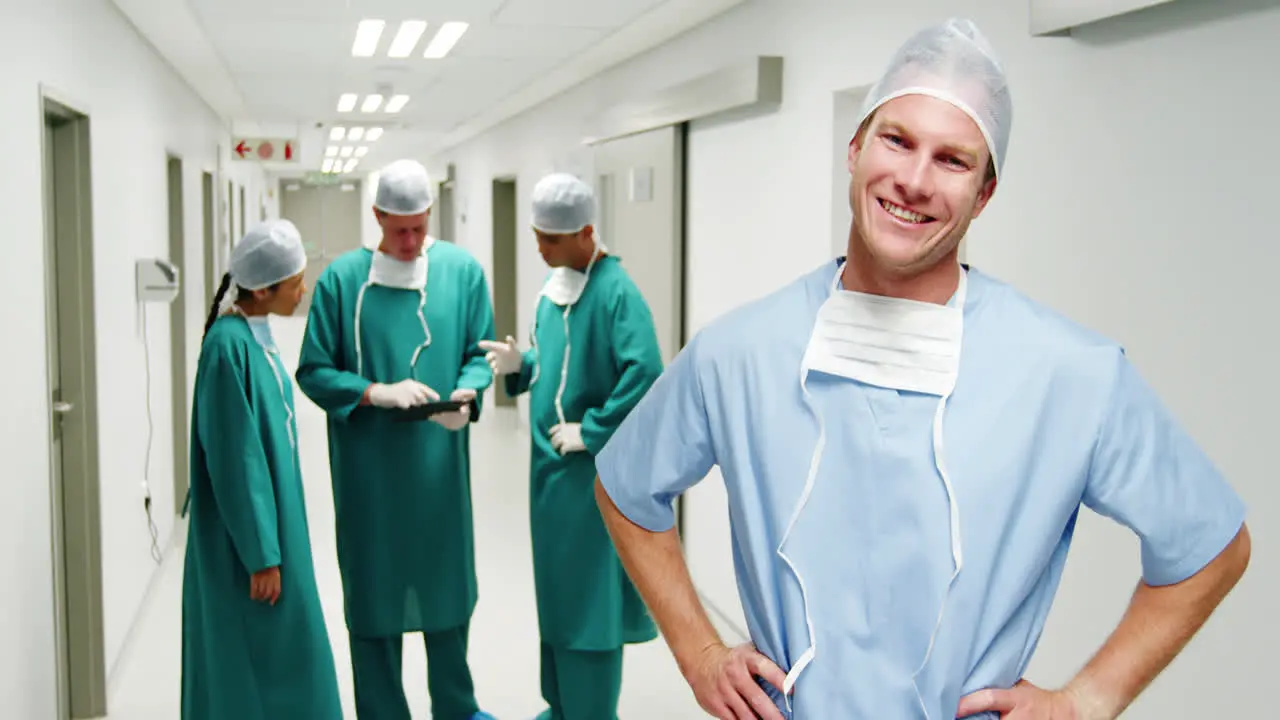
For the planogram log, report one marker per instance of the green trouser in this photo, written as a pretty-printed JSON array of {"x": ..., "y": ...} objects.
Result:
[
  {"x": 377, "y": 664},
  {"x": 581, "y": 685}
]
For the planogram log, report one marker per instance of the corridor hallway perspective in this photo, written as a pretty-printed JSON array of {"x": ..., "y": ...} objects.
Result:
[{"x": 504, "y": 633}]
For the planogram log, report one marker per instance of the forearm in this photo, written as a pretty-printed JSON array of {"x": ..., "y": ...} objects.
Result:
[
  {"x": 1157, "y": 625},
  {"x": 656, "y": 565},
  {"x": 599, "y": 424},
  {"x": 334, "y": 391},
  {"x": 476, "y": 375}
]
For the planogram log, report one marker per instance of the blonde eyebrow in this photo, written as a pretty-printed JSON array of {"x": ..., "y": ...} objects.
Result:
[{"x": 965, "y": 152}]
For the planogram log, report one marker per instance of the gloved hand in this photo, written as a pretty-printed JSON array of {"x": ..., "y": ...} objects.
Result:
[
  {"x": 503, "y": 357},
  {"x": 459, "y": 419},
  {"x": 402, "y": 395},
  {"x": 567, "y": 438}
]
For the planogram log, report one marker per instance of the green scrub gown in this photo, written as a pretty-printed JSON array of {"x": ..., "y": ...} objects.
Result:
[
  {"x": 242, "y": 658},
  {"x": 587, "y": 607},
  {"x": 401, "y": 491}
]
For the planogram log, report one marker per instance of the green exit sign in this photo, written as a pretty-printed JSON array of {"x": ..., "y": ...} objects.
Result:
[{"x": 320, "y": 178}]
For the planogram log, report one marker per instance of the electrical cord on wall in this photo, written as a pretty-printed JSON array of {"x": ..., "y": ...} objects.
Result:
[{"x": 146, "y": 468}]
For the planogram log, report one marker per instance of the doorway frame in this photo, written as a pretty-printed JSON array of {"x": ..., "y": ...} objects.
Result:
[
  {"x": 175, "y": 163},
  {"x": 506, "y": 281},
  {"x": 75, "y": 504}
]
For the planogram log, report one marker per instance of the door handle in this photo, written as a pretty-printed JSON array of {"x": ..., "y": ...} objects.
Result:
[{"x": 62, "y": 408}]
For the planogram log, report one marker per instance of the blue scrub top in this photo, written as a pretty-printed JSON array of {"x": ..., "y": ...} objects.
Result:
[{"x": 1046, "y": 416}]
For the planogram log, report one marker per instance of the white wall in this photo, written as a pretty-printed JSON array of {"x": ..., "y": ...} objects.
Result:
[
  {"x": 139, "y": 110},
  {"x": 1134, "y": 201}
]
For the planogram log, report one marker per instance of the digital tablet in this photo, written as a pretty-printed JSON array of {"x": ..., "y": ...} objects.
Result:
[{"x": 425, "y": 412}]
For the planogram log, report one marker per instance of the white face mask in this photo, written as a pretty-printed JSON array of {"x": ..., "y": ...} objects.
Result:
[
  {"x": 261, "y": 329},
  {"x": 565, "y": 285},
  {"x": 564, "y": 288},
  {"x": 387, "y": 271},
  {"x": 890, "y": 343}
]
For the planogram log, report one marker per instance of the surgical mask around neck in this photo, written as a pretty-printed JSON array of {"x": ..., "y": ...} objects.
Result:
[
  {"x": 565, "y": 285},
  {"x": 564, "y": 288},
  {"x": 890, "y": 343},
  {"x": 260, "y": 326},
  {"x": 388, "y": 271}
]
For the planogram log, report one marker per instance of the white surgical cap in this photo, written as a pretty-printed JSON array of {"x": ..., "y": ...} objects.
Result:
[
  {"x": 562, "y": 205},
  {"x": 954, "y": 63},
  {"x": 404, "y": 188},
  {"x": 267, "y": 254}
]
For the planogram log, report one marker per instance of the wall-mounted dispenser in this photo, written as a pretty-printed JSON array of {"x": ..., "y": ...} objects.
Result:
[{"x": 157, "y": 280}]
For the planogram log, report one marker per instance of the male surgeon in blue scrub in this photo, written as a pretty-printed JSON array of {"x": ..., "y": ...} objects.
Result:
[{"x": 906, "y": 443}]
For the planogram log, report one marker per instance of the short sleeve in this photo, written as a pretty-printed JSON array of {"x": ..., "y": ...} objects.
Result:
[
  {"x": 662, "y": 448},
  {"x": 1149, "y": 475}
]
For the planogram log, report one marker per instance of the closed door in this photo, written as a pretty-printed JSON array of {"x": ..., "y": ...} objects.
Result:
[
  {"x": 328, "y": 218},
  {"x": 73, "y": 451},
  {"x": 640, "y": 189}
]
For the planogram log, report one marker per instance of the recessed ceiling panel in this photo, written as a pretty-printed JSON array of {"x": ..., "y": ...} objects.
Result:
[
  {"x": 573, "y": 13},
  {"x": 510, "y": 42}
]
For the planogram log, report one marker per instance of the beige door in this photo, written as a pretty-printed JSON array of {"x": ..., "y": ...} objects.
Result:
[{"x": 328, "y": 218}]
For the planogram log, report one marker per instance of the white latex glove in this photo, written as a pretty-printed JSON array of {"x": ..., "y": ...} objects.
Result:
[
  {"x": 402, "y": 395},
  {"x": 567, "y": 438},
  {"x": 503, "y": 357},
  {"x": 457, "y": 420}
]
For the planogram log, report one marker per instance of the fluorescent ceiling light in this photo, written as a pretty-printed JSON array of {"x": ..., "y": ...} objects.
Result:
[
  {"x": 396, "y": 103},
  {"x": 337, "y": 133},
  {"x": 407, "y": 38},
  {"x": 351, "y": 165},
  {"x": 446, "y": 37},
  {"x": 346, "y": 151},
  {"x": 331, "y": 151},
  {"x": 355, "y": 134},
  {"x": 328, "y": 165},
  {"x": 347, "y": 102},
  {"x": 362, "y": 151},
  {"x": 371, "y": 103},
  {"x": 373, "y": 134},
  {"x": 367, "y": 35}
]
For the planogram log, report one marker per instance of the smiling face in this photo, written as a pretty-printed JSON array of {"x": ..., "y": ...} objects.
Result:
[{"x": 921, "y": 172}]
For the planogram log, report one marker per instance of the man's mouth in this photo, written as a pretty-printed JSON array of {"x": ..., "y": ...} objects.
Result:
[{"x": 903, "y": 214}]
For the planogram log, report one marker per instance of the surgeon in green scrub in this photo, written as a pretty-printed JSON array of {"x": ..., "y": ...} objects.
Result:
[
  {"x": 254, "y": 643},
  {"x": 390, "y": 330},
  {"x": 595, "y": 354}
]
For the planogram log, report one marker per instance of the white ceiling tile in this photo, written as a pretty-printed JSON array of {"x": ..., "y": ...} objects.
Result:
[
  {"x": 573, "y": 13},
  {"x": 501, "y": 41}
]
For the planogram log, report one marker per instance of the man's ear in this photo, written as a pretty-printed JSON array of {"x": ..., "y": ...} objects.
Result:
[{"x": 984, "y": 196}]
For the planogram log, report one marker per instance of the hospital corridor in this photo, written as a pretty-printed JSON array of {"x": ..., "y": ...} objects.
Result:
[
  {"x": 638, "y": 359},
  {"x": 504, "y": 642}
]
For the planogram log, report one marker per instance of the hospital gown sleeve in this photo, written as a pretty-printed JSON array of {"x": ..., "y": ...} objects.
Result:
[
  {"x": 662, "y": 448},
  {"x": 237, "y": 461},
  {"x": 519, "y": 382},
  {"x": 1150, "y": 476},
  {"x": 633, "y": 343},
  {"x": 322, "y": 374},
  {"x": 476, "y": 373}
]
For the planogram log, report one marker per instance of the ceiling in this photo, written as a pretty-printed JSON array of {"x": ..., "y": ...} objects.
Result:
[{"x": 276, "y": 68}]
